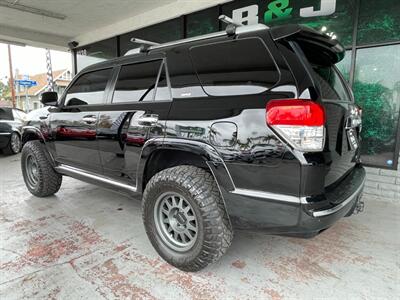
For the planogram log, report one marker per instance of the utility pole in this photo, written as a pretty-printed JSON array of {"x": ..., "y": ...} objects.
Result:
[{"x": 11, "y": 77}]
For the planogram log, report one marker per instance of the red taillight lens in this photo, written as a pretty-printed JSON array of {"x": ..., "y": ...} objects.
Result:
[
  {"x": 295, "y": 112},
  {"x": 299, "y": 122}
]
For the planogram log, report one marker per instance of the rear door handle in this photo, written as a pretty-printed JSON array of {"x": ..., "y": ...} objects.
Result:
[
  {"x": 89, "y": 119},
  {"x": 148, "y": 120}
]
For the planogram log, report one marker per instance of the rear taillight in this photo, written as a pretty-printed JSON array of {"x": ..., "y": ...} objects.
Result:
[{"x": 299, "y": 122}]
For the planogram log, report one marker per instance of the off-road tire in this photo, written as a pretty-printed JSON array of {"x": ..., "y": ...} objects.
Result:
[
  {"x": 198, "y": 187},
  {"x": 9, "y": 149},
  {"x": 48, "y": 180}
]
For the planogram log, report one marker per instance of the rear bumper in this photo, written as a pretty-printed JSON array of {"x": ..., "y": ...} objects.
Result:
[
  {"x": 283, "y": 214},
  {"x": 336, "y": 208}
]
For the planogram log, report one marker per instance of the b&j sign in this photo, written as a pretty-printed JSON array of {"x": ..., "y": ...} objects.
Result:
[{"x": 281, "y": 9}]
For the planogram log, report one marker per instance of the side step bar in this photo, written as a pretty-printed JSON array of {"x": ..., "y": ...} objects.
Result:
[{"x": 93, "y": 178}]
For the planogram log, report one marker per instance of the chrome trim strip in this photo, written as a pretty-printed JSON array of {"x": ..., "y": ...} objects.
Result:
[
  {"x": 322, "y": 213},
  {"x": 80, "y": 172},
  {"x": 5, "y": 133},
  {"x": 267, "y": 195}
]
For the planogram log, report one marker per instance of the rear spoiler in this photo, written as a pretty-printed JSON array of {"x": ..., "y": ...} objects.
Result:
[{"x": 319, "y": 48}]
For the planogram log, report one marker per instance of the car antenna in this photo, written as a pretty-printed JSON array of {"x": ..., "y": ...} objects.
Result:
[{"x": 231, "y": 27}]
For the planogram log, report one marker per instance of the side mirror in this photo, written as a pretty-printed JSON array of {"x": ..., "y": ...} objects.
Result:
[{"x": 49, "y": 98}]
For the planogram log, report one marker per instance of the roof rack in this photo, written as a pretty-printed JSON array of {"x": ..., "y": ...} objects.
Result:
[
  {"x": 145, "y": 45},
  {"x": 232, "y": 25},
  {"x": 233, "y": 28},
  {"x": 229, "y": 21}
]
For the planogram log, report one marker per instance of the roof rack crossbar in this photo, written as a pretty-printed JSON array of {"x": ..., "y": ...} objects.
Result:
[
  {"x": 227, "y": 20},
  {"x": 144, "y": 42},
  {"x": 241, "y": 29}
]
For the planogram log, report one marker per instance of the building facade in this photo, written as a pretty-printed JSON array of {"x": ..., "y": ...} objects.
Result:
[{"x": 370, "y": 31}]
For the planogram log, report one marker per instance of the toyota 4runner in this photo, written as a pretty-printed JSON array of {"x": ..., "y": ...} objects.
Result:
[{"x": 252, "y": 127}]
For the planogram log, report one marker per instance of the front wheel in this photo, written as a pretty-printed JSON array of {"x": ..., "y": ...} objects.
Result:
[
  {"x": 14, "y": 145},
  {"x": 39, "y": 175},
  {"x": 185, "y": 217}
]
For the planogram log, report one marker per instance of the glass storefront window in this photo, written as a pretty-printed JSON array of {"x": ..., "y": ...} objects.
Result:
[
  {"x": 377, "y": 90},
  {"x": 96, "y": 52},
  {"x": 161, "y": 33},
  {"x": 344, "y": 65},
  {"x": 202, "y": 22},
  {"x": 379, "y": 21}
]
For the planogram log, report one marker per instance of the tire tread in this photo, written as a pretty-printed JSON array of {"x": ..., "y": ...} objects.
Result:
[
  {"x": 49, "y": 180},
  {"x": 201, "y": 185}
]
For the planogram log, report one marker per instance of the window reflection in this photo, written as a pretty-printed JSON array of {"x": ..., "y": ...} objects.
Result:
[
  {"x": 234, "y": 74},
  {"x": 88, "y": 88},
  {"x": 377, "y": 91},
  {"x": 202, "y": 22},
  {"x": 344, "y": 65},
  {"x": 378, "y": 21}
]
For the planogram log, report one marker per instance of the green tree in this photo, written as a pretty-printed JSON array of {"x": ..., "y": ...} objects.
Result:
[{"x": 5, "y": 91}]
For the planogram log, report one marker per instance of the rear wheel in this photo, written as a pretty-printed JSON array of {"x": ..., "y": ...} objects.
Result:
[
  {"x": 39, "y": 175},
  {"x": 14, "y": 145},
  {"x": 185, "y": 217}
]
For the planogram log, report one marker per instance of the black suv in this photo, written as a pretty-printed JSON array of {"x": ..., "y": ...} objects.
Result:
[{"x": 252, "y": 127}]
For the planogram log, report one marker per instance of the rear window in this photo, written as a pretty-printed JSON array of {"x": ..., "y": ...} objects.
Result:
[
  {"x": 6, "y": 114},
  {"x": 144, "y": 81},
  {"x": 332, "y": 86},
  {"x": 237, "y": 67}
]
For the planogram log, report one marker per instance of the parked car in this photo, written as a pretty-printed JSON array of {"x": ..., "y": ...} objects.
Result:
[
  {"x": 11, "y": 122},
  {"x": 252, "y": 127}
]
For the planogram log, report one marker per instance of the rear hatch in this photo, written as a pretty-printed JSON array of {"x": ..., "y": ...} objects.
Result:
[
  {"x": 342, "y": 127},
  {"x": 319, "y": 53}
]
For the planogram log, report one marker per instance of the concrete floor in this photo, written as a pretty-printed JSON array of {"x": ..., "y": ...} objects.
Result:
[{"x": 89, "y": 243}]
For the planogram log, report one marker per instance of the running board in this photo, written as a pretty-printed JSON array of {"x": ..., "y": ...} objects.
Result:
[{"x": 93, "y": 178}]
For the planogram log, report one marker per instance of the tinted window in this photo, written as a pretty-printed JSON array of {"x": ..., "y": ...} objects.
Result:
[
  {"x": 6, "y": 114},
  {"x": 88, "y": 89},
  {"x": 184, "y": 82},
  {"x": 137, "y": 82},
  {"x": 162, "y": 91},
  {"x": 235, "y": 67},
  {"x": 331, "y": 85}
]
